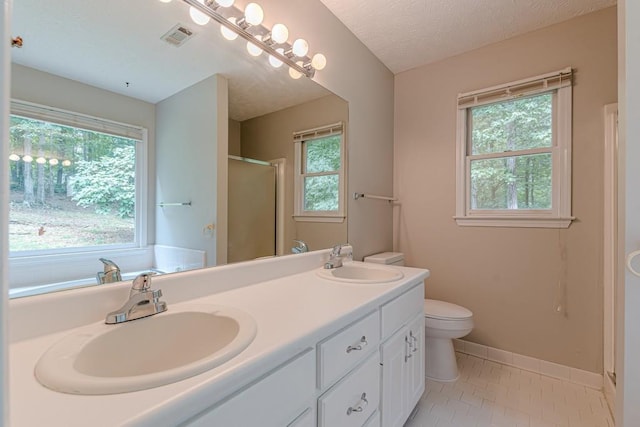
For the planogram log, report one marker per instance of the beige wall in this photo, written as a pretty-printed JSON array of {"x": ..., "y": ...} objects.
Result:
[
  {"x": 234, "y": 138},
  {"x": 357, "y": 76},
  {"x": 509, "y": 277},
  {"x": 270, "y": 137}
]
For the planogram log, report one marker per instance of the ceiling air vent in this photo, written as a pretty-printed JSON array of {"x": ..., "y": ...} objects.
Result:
[{"x": 178, "y": 35}]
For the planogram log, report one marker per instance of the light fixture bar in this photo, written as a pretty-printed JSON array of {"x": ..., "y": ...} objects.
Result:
[{"x": 270, "y": 49}]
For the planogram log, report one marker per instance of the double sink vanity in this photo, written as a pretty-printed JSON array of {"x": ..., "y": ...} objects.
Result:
[{"x": 273, "y": 342}]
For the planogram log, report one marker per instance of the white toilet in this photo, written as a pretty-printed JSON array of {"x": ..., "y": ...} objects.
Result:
[{"x": 443, "y": 322}]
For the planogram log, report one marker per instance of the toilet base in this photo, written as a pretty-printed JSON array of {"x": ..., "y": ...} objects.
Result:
[{"x": 440, "y": 360}]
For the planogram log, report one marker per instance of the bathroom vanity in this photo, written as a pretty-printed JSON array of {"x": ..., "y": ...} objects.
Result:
[{"x": 325, "y": 352}]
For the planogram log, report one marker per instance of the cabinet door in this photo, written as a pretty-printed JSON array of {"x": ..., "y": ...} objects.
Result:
[
  {"x": 394, "y": 358},
  {"x": 274, "y": 401},
  {"x": 414, "y": 370}
]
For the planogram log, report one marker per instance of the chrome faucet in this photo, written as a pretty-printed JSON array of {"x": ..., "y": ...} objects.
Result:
[
  {"x": 143, "y": 301},
  {"x": 300, "y": 248},
  {"x": 110, "y": 274},
  {"x": 336, "y": 257}
]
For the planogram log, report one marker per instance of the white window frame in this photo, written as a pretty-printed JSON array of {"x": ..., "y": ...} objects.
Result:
[
  {"x": 299, "y": 138},
  {"x": 559, "y": 216},
  {"x": 39, "y": 267}
]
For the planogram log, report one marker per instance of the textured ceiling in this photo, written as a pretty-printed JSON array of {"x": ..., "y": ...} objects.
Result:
[
  {"x": 109, "y": 43},
  {"x": 405, "y": 34}
]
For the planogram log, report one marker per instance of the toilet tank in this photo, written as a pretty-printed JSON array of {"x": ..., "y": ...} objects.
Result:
[{"x": 389, "y": 258}]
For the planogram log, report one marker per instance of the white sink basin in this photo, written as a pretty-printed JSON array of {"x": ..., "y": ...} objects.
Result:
[
  {"x": 145, "y": 353},
  {"x": 356, "y": 272}
]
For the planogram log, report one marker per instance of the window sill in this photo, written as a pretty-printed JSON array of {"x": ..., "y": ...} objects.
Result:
[
  {"x": 309, "y": 218},
  {"x": 513, "y": 221}
]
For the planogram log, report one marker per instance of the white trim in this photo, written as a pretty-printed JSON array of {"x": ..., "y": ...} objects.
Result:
[
  {"x": 71, "y": 118},
  {"x": 559, "y": 216},
  {"x": 308, "y": 218},
  {"x": 514, "y": 221},
  {"x": 610, "y": 246},
  {"x": 524, "y": 87},
  {"x": 281, "y": 173},
  {"x": 5, "y": 91},
  {"x": 539, "y": 366}
]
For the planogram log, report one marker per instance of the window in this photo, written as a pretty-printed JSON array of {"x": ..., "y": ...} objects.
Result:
[
  {"x": 75, "y": 187},
  {"x": 319, "y": 180},
  {"x": 514, "y": 154}
]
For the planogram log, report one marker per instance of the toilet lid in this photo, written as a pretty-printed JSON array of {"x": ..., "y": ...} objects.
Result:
[{"x": 445, "y": 310}]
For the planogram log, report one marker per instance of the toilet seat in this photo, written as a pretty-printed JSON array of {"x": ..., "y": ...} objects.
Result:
[{"x": 442, "y": 310}]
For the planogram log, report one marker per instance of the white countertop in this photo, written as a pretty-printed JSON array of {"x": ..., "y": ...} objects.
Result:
[{"x": 292, "y": 312}]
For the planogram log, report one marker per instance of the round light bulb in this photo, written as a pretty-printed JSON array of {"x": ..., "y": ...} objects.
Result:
[
  {"x": 279, "y": 33},
  {"x": 295, "y": 74},
  {"x": 14, "y": 157},
  {"x": 318, "y": 61},
  {"x": 253, "y": 49},
  {"x": 227, "y": 33},
  {"x": 197, "y": 16},
  {"x": 300, "y": 47},
  {"x": 275, "y": 62},
  {"x": 53, "y": 162},
  {"x": 165, "y": 1},
  {"x": 41, "y": 160},
  {"x": 27, "y": 159},
  {"x": 253, "y": 14},
  {"x": 224, "y": 3},
  {"x": 66, "y": 163}
]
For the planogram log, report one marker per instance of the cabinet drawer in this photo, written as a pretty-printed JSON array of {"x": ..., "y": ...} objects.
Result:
[
  {"x": 351, "y": 402},
  {"x": 400, "y": 310},
  {"x": 289, "y": 389},
  {"x": 341, "y": 352}
]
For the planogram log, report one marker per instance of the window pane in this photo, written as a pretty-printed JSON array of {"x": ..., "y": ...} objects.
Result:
[
  {"x": 321, "y": 193},
  {"x": 518, "y": 182},
  {"x": 322, "y": 155},
  {"x": 512, "y": 125},
  {"x": 70, "y": 187}
]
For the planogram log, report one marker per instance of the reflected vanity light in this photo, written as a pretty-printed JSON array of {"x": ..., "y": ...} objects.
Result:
[
  {"x": 40, "y": 160},
  {"x": 248, "y": 25}
]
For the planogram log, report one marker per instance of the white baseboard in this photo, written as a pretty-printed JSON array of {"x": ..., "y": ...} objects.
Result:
[{"x": 550, "y": 369}]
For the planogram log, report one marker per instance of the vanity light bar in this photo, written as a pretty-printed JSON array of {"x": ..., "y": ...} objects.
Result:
[{"x": 210, "y": 8}]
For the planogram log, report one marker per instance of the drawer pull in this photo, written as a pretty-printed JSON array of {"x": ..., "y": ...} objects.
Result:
[
  {"x": 362, "y": 404},
  {"x": 361, "y": 344},
  {"x": 415, "y": 340}
]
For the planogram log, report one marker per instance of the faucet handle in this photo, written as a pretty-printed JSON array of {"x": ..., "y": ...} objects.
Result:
[{"x": 142, "y": 282}]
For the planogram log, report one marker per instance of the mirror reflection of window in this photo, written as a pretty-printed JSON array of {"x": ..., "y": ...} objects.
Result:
[
  {"x": 75, "y": 194},
  {"x": 70, "y": 187},
  {"x": 320, "y": 173}
]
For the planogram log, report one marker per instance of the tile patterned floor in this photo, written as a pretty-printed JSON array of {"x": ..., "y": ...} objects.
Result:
[{"x": 489, "y": 394}]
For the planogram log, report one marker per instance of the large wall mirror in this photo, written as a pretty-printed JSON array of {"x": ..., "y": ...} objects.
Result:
[{"x": 140, "y": 137}]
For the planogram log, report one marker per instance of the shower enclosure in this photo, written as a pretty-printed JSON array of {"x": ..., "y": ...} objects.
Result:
[{"x": 251, "y": 209}]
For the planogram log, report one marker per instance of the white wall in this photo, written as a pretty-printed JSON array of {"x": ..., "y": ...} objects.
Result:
[{"x": 186, "y": 165}]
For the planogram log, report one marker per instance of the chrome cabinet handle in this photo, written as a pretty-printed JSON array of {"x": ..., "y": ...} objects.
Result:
[
  {"x": 362, "y": 343},
  {"x": 408, "y": 354},
  {"x": 361, "y": 405},
  {"x": 415, "y": 340}
]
